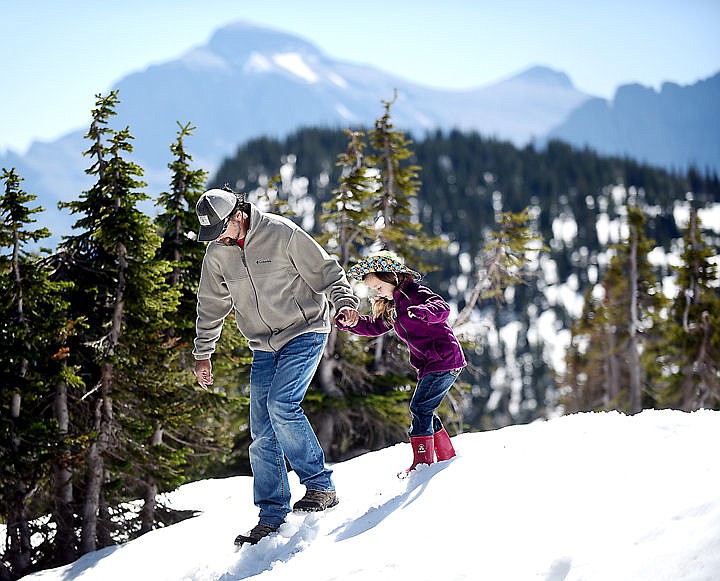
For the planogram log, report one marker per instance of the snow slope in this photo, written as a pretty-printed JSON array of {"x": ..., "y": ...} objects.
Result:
[{"x": 595, "y": 496}]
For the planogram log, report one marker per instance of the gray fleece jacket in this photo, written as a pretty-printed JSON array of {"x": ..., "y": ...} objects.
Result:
[{"x": 281, "y": 284}]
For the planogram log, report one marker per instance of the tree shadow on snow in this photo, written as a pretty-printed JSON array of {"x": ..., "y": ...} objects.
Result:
[
  {"x": 375, "y": 515},
  {"x": 88, "y": 561}
]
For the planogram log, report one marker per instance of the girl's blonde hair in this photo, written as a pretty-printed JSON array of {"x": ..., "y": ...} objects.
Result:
[{"x": 383, "y": 308}]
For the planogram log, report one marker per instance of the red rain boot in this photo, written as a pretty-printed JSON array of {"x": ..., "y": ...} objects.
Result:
[
  {"x": 443, "y": 446},
  {"x": 423, "y": 453}
]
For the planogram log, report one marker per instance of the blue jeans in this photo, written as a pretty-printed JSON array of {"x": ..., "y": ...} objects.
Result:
[
  {"x": 279, "y": 428},
  {"x": 429, "y": 393}
]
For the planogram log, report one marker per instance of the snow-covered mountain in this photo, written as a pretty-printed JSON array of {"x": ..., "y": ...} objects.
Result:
[
  {"x": 249, "y": 81},
  {"x": 593, "y": 497}
]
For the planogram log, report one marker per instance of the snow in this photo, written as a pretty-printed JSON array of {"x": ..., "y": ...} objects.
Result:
[
  {"x": 294, "y": 63},
  {"x": 344, "y": 112},
  {"x": 258, "y": 63},
  {"x": 202, "y": 58},
  {"x": 590, "y": 496},
  {"x": 709, "y": 215}
]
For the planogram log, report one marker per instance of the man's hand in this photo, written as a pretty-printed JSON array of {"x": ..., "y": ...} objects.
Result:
[
  {"x": 203, "y": 372},
  {"x": 348, "y": 316}
]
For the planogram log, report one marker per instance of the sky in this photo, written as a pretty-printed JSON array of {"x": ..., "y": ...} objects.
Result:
[
  {"x": 590, "y": 496},
  {"x": 56, "y": 56}
]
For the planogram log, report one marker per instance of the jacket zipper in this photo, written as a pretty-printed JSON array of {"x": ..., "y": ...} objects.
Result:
[
  {"x": 257, "y": 300},
  {"x": 409, "y": 344}
]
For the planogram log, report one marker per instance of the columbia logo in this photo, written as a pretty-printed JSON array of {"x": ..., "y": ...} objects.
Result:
[{"x": 262, "y": 261}]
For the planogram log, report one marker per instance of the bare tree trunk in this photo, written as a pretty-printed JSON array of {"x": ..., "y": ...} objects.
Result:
[
  {"x": 612, "y": 388},
  {"x": 325, "y": 374},
  {"x": 103, "y": 529},
  {"x": 379, "y": 361},
  {"x": 103, "y": 420},
  {"x": 18, "y": 530},
  {"x": 62, "y": 484},
  {"x": 88, "y": 534},
  {"x": 147, "y": 517},
  {"x": 96, "y": 468},
  {"x": 633, "y": 354}
]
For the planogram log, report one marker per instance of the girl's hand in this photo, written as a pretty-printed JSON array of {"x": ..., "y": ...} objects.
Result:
[{"x": 348, "y": 317}]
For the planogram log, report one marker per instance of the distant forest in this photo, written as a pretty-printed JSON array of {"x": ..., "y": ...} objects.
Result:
[
  {"x": 463, "y": 174},
  {"x": 465, "y": 179}
]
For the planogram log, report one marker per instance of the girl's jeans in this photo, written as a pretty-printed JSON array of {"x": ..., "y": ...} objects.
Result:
[
  {"x": 279, "y": 428},
  {"x": 429, "y": 393}
]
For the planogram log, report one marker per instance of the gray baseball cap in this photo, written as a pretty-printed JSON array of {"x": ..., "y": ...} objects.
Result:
[{"x": 213, "y": 210}]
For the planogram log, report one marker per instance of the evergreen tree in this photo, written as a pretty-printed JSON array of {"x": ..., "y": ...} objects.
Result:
[
  {"x": 606, "y": 357},
  {"x": 348, "y": 215},
  {"x": 126, "y": 301},
  {"x": 689, "y": 350},
  {"x": 32, "y": 318},
  {"x": 177, "y": 222},
  {"x": 398, "y": 226},
  {"x": 589, "y": 379},
  {"x": 503, "y": 260}
]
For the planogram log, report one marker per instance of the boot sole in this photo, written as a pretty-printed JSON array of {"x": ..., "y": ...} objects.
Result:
[{"x": 249, "y": 541}]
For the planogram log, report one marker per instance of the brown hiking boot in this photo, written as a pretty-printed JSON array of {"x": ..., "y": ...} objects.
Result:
[
  {"x": 259, "y": 531},
  {"x": 316, "y": 500}
]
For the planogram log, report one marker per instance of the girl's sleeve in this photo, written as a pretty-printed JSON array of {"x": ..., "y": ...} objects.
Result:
[
  {"x": 366, "y": 326},
  {"x": 432, "y": 309}
]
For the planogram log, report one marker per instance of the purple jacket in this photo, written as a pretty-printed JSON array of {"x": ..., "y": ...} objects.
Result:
[{"x": 422, "y": 324}]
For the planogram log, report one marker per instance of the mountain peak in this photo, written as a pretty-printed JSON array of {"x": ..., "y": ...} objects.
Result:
[
  {"x": 542, "y": 75},
  {"x": 239, "y": 39}
]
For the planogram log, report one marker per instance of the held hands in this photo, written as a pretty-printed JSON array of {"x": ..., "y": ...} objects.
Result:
[
  {"x": 348, "y": 317},
  {"x": 203, "y": 372}
]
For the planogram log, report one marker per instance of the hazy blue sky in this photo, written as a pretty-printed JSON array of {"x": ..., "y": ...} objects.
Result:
[{"x": 57, "y": 54}]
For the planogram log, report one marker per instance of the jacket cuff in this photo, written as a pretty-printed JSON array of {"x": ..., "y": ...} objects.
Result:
[{"x": 352, "y": 303}]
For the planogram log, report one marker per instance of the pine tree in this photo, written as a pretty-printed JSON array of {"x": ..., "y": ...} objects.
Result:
[
  {"x": 689, "y": 351},
  {"x": 398, "y": 227},
  {"x": 348, "y": 215},
  {"x": 32, "y": 319},
  {"x": 126, "y": 301},
  {"x": 177, "y": 223},
  {"x": 588, "y": 378},
  {"x": 504, "y": 257},
  {"x": 605, "y": 361}
]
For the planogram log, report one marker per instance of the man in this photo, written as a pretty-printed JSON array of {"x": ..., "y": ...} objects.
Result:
[{"x": 281, "y": 285}]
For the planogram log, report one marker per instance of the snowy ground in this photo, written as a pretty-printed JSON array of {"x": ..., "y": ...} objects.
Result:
[{"x": 598, "y": 496}]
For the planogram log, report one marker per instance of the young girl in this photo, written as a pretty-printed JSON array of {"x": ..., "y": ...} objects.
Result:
[{"x": 419, "y": 317}]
